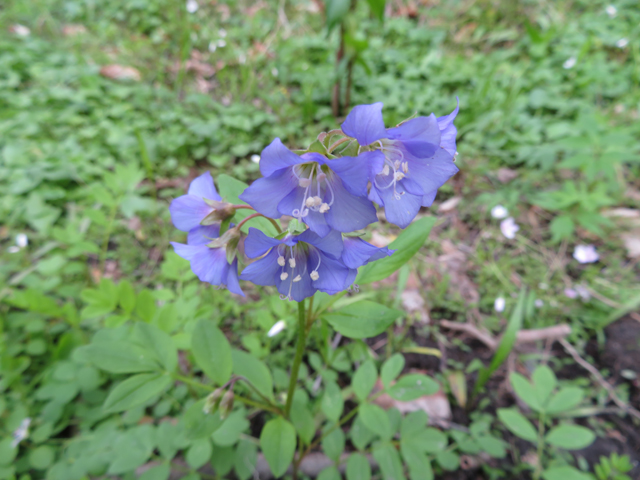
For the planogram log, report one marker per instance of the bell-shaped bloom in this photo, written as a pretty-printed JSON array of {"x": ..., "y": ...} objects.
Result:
[
  {"x": 325, "y": 194},
  {"x": 357, "y": 252},
  {"x": 418, "y": 159},
  {"x": 188, "y": 211},
  {"x": 298, "y": 265},
  {"x": 209, "y": 264}
]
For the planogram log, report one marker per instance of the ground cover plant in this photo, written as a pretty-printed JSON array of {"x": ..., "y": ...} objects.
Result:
[{"x": 500, "y": 339}]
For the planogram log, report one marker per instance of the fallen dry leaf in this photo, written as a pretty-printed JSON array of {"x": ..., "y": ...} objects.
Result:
[
  {"x": 631, "y": 241},
  {"x": 413, "y": 302},
  {"x": 505, "y": 175},
  {"x": 71, "y": 30},
  {"x": 449, "y": 205},
  {"x": 120, "y": 72},
  {"x": 436, "y": 406}
]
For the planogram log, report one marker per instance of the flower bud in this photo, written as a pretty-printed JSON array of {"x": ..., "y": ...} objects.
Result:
[
  {"x": 226, "y": 404},
  {"x": 213, "y": 400},
  {"x": 222, "y": 211}
]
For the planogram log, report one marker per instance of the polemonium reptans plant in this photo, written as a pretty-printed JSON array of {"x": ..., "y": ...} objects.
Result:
[{"x": 327, "y": 193}]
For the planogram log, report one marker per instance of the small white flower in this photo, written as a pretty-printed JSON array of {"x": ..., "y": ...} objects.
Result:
[
  {"x": 221, "y": 43},
  {"x": 569, "y": 63},
  {"x": 277, "y": 328},
  {"x": 623, "y": 42},
  {"x": 509, "y": 227},
  {"x": 255, "y": 158},
  {"x": 21, "y": 432},
  {"x": 586, "y": 254},
  {"x": 611, "y": 11},
  {"x": 22, "y": 240},
  {"x": 499, "y": 212},
  {"x": 583, "y": 292},
  {"x": 222, "y": 33},
  {"x": 242, "y": 58},
  {"x": 499, "y": 304},
  {"x": 538, "y": 303},
  {"x": 192, "y": 6},
  {"x": 570, "y": 293},
  {"x": 20, "y": 30},
  {"x": 13, "y": 249},
  {"x": 274, "y": 71},
  {"x": 212, "y": 47}
]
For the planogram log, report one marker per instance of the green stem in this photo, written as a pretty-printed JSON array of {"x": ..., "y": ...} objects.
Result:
[
  {"x": 107, "y": 235},
  {"x": 297, "y": 360},
  {"x": 246, "y": 401},
  {"x": 538, "y": 470}
]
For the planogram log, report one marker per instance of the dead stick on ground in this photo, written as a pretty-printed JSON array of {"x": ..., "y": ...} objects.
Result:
[
  {"x": 524, "y": 336},
  {"x": 596, "y": 374}
]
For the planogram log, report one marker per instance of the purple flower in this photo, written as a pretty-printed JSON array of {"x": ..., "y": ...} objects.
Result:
[
  {"x": 418, "y": 159},
  {"x": 324, "y": 194},
  {"x": 209, "y": 264},
  {"x": 188, "y": 211},
  {"x": 357, "y": 253},
  {"x": 298, "y": 265}
]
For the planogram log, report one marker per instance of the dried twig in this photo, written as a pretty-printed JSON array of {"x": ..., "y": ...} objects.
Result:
[
  {"x": 524, "y": 336},
  {"x": 600, "y": 379}
]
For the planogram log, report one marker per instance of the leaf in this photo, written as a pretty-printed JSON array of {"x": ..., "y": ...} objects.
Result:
[
  {"x": 199, "y": 453},
  {"x": 561, "y": 227},
  {"x": 358, "y": 467},
  {"x": 388, "y": 460},
  {"x": 517, "y": 424},
  {"x": 155, "y": 340},
  {"x": 417, "y": 461},
  {"x": 375, "y": 419},
  {"x": 146, "y": 305},
  {"x": 525, "y": 391},
  {"x": 230, "y": 189},
  {"x": 335, "y": 11},
  {"x": 254, "y": 370},
  {"x": 412, "y": 386},
  {"x": 566, "y": 399},
  {"x": 135, "y": 391},
  {"x": 278, "y": 443},
  {"x": 360, "y": 435},
  {"x": 333, "y": 443},
  {"x": 364, "y": 380},
  {"x": 159, "y": 472},
  {"x": 120, "y": 357},
  {"x": 245, "y": 460},
  {"x": 132, "y": 449},
  {"x": 332, "y": 401},
  {"x": 126, "y": 296},
  {"x": 329, "y": 473},
  {"x": 570, "y": 437},
  {"x": 232, "y": 427},
  {"x": 565, "y": 472},
  {"x": 303, "y": 420},
  {"x": 377, "y": 8},
  {"x": 544, "y": 382},
  {"x": 506, "y": 343},
  {"x": 212, "y": 351},
  {"x": 41, "y": 457},
  {"x": 448, "y": 460},
  {"x": 198, "y": 424},
  {"x": 406, "y": 246},
  {"x": 363, "y": 319},
  {"x": 391, "y": 368}
]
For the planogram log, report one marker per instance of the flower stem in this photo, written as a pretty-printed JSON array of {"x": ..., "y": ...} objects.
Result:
[
  {"x": 302, "y": 340},
  {"x": 538, "y": 469},
  {"x": 256, "y": 215}
]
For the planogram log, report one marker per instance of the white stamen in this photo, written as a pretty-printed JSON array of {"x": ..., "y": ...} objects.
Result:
[
  {"x": 297, "y": 278},
  {"x": 281, "y": 261},
  {"x": 322, "y": 177},
  {"x": 399, "y": 176},
  {"x": 284, "y": 276},
  {"x": 292, "y": 262},
  {"x": 324, "y": 208},
  {"x": 405, "y": 167},
  {"x": 304, "y": 182},
  {"x": 310, "y": 202},
  {"x": 314, "y": 275},
  {"x": 385, "y": 170}
]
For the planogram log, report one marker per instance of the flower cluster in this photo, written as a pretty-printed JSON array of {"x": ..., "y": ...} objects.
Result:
[{"x": 333, "y": 194}]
